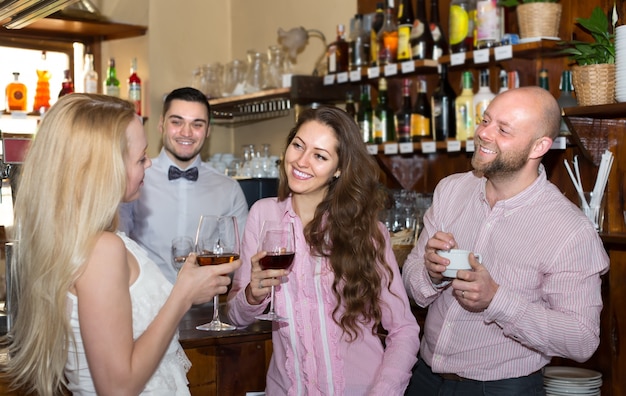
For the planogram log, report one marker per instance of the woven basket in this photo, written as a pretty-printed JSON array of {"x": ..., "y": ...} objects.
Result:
[
  {"x": 539, "y": 19},
  {"x": 594, "y": 84}
]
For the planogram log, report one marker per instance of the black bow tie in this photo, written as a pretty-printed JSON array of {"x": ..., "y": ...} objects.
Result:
[{"x": 189, "y": 174}]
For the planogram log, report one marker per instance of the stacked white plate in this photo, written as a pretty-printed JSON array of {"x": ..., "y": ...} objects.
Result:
[
  {"x": 620, "y": 63},
  {"x": 571, "y": 381}
]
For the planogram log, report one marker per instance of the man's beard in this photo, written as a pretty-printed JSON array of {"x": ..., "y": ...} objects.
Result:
[{"x": 502, "y": 165}]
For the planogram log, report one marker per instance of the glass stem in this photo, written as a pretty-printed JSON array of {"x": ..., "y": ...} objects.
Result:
[
  {"x": 272, "y": 301},
  {"x": 216, "y": 312}
]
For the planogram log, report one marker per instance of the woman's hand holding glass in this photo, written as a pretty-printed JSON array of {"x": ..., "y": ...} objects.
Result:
[
  {"x": 200, "y": 284},
  {"x": 263, "y": 280}
]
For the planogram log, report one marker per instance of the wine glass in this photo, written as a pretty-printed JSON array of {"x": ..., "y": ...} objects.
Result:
[
  {"x": 277, "y": 239},
  {"x": 217, "y": 242},
  {"x": 181, "y": 247}
]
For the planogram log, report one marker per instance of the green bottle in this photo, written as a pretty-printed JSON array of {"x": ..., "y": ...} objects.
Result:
[
  {"x": 111, "y": 83},
  {"x": 384, "y": 124},
  {"x": 365, "y": 116}
]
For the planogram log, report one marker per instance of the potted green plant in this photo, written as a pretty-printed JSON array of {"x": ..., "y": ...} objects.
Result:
[
  {"x": 537, "y": 18},
  {"x": 593, "y": 75}
]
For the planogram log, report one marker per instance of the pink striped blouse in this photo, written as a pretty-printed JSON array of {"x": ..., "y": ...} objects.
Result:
[{"x": 546, "y": 257}]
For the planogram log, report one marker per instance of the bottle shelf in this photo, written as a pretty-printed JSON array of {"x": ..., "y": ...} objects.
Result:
[{"x": 251, "y": 107}]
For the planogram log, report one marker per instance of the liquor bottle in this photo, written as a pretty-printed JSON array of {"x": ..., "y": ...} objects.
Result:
[
  {"x": 388, "y": 39},
  {"x": 442, "y": 105},
  {"x": 16, "y": 94},
  {"x": 403, "y": 116},
  {"x": 420, "y": 117},
  {"x": 42, "y": 92},
  {"x": 90, "y": 76},
  {"x": 544, "y": 81},
  {"x": 111, "y": 83},
  {"x": 440, "y": 44},
  {"x": 365, "y": 115},
  {"x": 565, "y": 98},
  {"x": 513, "y": 79},
  {"x": 464, "y": 109},
  {"x": 377, "y": 25},
  {"x": 421, "y": 39},
  {"x": 461, "y": 25},
  {"x": 350, "y": 107},
  {"x": 67, "y": 85},
  {"x": 338, "y": 52},
  {"x": 483, "y": 97},
  {"x": 405, "y": 25},
  {"x": 134, "y": 87},
  {"x": 489, "y": 17},
  {"x": 504, "y": 81},
  {"x": 384, "y": 125},
  {"x": 359, "y": 57}
]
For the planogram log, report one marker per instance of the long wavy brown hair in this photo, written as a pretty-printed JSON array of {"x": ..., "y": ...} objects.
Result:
[{"x": 345, "y": 228}]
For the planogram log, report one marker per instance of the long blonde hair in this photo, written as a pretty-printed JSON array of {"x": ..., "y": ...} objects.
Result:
[{"x": 71, "y": 184}]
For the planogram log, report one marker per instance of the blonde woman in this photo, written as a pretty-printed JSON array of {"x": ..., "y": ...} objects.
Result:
[{"x": 93, "y": 313}]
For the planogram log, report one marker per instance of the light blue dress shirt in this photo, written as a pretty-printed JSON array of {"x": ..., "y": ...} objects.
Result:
[{"x": 170, "y": 208}]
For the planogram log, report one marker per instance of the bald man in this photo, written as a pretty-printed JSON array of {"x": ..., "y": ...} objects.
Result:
[{"x": 536, "y": 293}]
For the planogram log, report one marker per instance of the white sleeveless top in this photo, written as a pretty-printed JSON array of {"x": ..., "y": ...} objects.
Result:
[{"x": 148, "y": 294}]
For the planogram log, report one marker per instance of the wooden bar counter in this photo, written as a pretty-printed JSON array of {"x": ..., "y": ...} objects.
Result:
[{"x": 223, "y": 363}]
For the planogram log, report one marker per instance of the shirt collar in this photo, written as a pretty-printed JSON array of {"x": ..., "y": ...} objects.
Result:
[
  {"x": 167, "y": 161},
  {"x": 523, "y": 198}
]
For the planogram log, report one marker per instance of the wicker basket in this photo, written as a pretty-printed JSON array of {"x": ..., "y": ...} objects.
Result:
[
  {"x": 539, "y": 19},
  {"x": 594, "y": 84}
]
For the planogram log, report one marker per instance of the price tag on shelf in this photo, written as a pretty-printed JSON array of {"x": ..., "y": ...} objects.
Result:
[
  {"x": 372, "y": 149},
  {"x": 342, "y": 77},
  {"x": 429, "y": 147},
  {"x": 469, "y": 146},
  {"x": 560, "y": 143},
  {"x": 329, "y": 79},
  {"x": 481, "y": 56},
  {"x": 391, "y": 148},
  {"x": 503, "y": 52},
  {"x": 407, "y": 67},
  {"x": 355, "y": 75},
  {"x": 391, "y": 69},
  {"x": 405, "y": 148},
  {"x": 453, "y": 146},
  {"x": 373, "y": 72},
  {"x": 457, "y": 59}
]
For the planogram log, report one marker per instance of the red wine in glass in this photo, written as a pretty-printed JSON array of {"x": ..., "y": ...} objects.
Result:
[{"x": 277, "y": 260}]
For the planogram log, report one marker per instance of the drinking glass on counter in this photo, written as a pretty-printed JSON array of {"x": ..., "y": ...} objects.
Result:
[
  {"x": 217, "y": 242},
  {"x": 278, "y": 240}
]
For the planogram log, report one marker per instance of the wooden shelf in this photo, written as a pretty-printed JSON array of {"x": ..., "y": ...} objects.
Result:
[{"x": 64, "y": 29}]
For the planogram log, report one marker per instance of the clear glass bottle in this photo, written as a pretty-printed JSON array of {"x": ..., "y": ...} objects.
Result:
[
  {"x": 461, "y": 26},
  {"x": 111, "y": 85},
  {"x": 90, "y": 76},
  {"x": 388, "y": 39},
  {"x": 489, "y": 17},
  {"x": 16, "y": 94},
  {"x": 359, "y": 56},
  {"x": 464, "y": 109},
  {"x": 504, "y": 81},
  {"x": 483, "y": 97},
  {"x": 421, "y": 39},
  {"x": 442, "y": 105},
  {"x": 421, "y": 114}
]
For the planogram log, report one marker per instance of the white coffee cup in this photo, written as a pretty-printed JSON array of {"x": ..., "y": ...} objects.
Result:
[{"x": 459, "y": 260}]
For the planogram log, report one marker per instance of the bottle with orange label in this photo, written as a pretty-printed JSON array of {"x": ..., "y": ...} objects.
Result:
[{"x": 16, "y": 94}]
